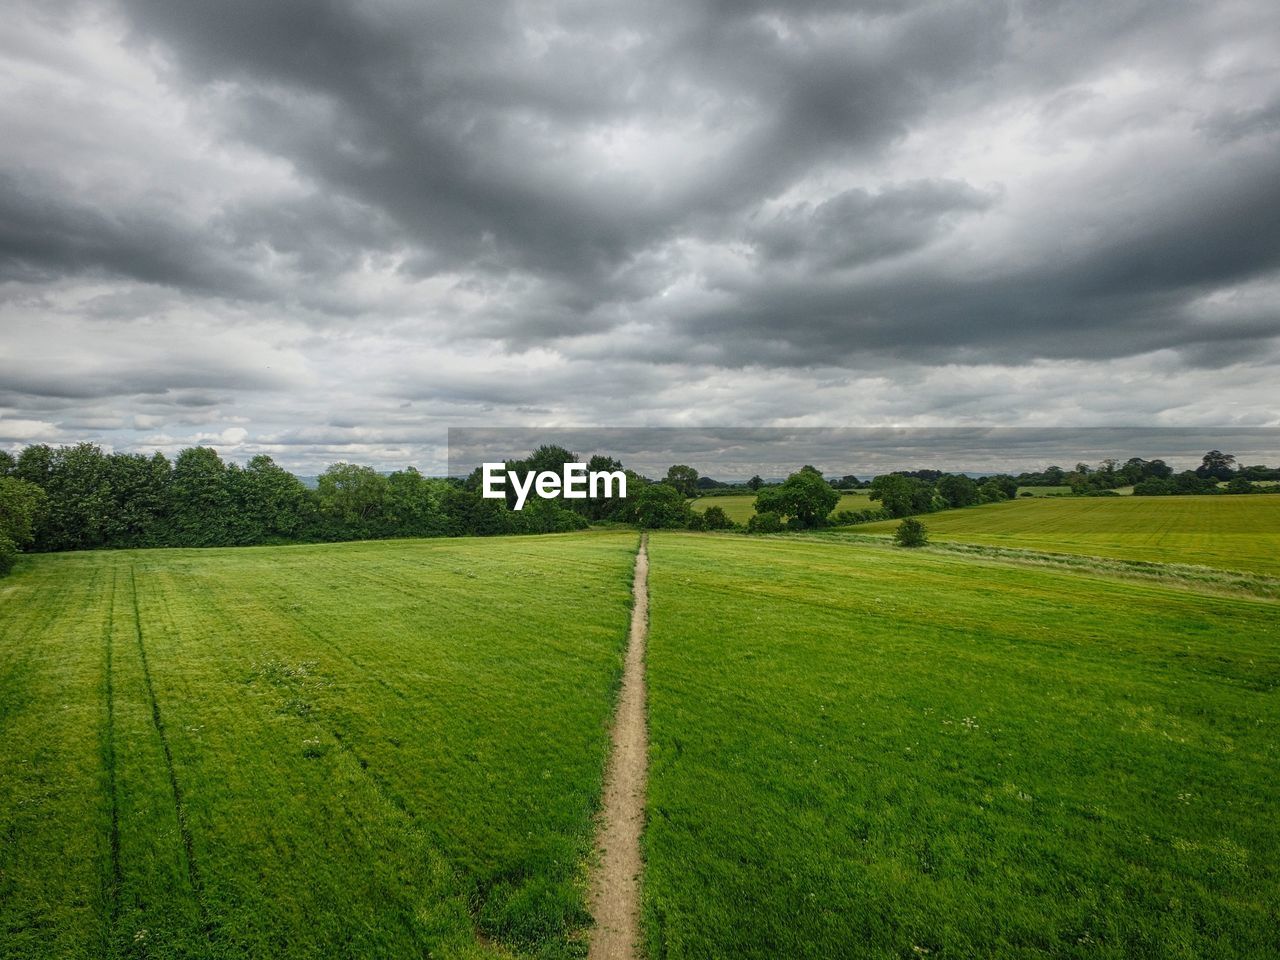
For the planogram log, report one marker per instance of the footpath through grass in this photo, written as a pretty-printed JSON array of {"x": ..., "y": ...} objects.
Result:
[
  {"x": 1228, "y": 532},
  {"x": 860, "y": 752},
  {"x": 378, "y": 749}
]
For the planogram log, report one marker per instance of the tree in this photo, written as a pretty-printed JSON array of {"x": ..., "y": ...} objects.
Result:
[
  {"x": 35, "y": 464},
  {"x": 140, "y": 499},
  {"x": 1217, "y": 465},
  {"x": 7, "y": 463},
  {"x": 766, "y": 522},
  {"x": 958, "y": 490},
  {"x": 804, "y": 497},
  {"x": 354, "y": 497},
  {"x": 714, "y": 518},
  {"x": 81, "y": 505},
  {"x": 274, "y": 501},
  {"x": 200, "y": 499},
  {"x": 684, "y": 478},
  {"x": 902, "y": 495},
  {"x": 20, "y": 506},
  {"x": 911, "y": 533},
  {"x": 411, "y": 508},
  {"x": 1007, "y": 486},
  {"x": 992, "y": 492},
  {"x": 755, "y": 483},
  {"x": 605, "y": 508},
  {"x": 658, "y": 506}
]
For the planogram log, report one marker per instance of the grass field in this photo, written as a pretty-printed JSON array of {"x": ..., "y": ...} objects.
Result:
[
  {"x": 396, "y": 749},
  {"x": 389, "y": 749},
  {"x": 740, "y": 509},
  {"x": 1230, "y": 533},
  {"x": 1044, "y": 491},
  {"x": 863, "y": 752}
]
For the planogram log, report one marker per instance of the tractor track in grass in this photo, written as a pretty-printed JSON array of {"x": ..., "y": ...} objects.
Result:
[
  {"x": 116, "y": 879},
  {"x": 180, "y": 808},
  {"x": 615, "y": 889}
]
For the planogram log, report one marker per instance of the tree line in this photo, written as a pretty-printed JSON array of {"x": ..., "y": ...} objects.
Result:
[{"x": 82, "y": 498}]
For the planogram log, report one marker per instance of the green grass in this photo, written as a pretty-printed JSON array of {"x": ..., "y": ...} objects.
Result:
[
  {"x": 881, "y": 753},
  {"x": 740, "y": 509},
  {"x": 390, "y": 749},
  {"x": 1044, "y": 491},
  {"x": 1230, "y": 533}
]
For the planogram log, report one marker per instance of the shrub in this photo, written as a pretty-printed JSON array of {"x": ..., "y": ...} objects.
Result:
[
  {"x": 847, "y": 518},
  {"x": 8, "y": 555},
  {"x": 767, "y": 522},
  {"x": 911, "y": 533},
  {"x": 716, "y": 519}
]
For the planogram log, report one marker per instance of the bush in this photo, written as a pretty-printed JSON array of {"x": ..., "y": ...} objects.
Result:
[
  {"x": 911, "y": 533},
  {"x": 8, "y": 555},
  {"x": 767, "y": 522},
  {"x": 847, "y": 518},
  {"x": 714, "y": 518}
]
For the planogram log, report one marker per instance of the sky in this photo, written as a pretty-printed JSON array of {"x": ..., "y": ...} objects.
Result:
[{"x": 333, "y": 230}]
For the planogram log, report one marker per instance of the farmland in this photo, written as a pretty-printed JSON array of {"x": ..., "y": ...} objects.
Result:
[
  {"x": 742, "y": 508},
  {"x": 869, "y": 752},
  {"x": 359, "y": 749},
  {"x": 397, "y": 748},
  {"x": 1230, "y": 533}
]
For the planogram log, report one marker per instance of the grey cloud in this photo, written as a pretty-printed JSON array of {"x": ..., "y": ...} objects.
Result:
[
  {"x": 174, "y": 382},
  {"x": 45, "y": 231},
  {"x": 667, "y": 211},
  {"x": 858, "y": 227}
]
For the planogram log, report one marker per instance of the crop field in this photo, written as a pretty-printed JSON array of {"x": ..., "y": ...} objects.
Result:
[
  {"x": 391, "y": 749},
  {"x": 859, "y": 751},
  {"x": 740, "y": 509},
  {"x": 1227, "y": 532}
]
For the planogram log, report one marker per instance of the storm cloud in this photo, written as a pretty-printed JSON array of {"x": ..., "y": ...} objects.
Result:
[{"x": 332, "y": 230}]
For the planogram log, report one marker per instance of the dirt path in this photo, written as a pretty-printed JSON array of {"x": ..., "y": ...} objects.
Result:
[{"x": 615, "y": 893}]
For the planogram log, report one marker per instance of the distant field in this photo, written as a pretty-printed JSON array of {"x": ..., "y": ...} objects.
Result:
[
  {"x": 874, "y": 753},
  {"x": 372, "y": 749},
  {"x": 741, "y": 509},
  {"x": 1044, "y": 491},
  {"x": 1229, "y": 532}
]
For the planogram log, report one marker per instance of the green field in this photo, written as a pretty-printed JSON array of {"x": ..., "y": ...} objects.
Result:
[
  {"x": 397, "y": 748},
  {"x": 389, "y": 749},
  {"x": 862, "y": 752},
  {"x": 742, "y": 508},
  {"x": 1230, "y": 533},
  {"x": 1044, "y": 491}
]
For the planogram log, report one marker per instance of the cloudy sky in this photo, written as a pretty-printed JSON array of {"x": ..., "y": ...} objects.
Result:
[{"x": 332, "y": 230}]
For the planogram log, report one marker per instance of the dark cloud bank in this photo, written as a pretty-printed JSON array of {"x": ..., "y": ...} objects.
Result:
[{"x": 329, "y": 231}]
